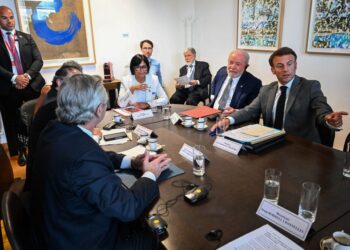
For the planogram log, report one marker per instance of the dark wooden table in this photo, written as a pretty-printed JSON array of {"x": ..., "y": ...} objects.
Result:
[{"x": 237, "y": 187}]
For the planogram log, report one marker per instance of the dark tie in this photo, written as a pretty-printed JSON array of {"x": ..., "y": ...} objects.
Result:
[
  {"x": 280, "y": 108},
  {"x": 225, "y": 95},
  {"x": 14, "y": 54}
]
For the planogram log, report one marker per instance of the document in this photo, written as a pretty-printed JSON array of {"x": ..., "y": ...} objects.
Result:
[
  {"x": 184, "y": 81},
  {"x": 202, "y": 111},
  {"x": 113, "y": 142},
  {"x": 262, "y": 238}
]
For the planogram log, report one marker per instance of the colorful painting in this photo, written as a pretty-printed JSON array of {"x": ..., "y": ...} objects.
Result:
[
  {"x": 61, "y": 29},
  {"x": 260, "y": 24},
  {"x": 329, "y": 27}
]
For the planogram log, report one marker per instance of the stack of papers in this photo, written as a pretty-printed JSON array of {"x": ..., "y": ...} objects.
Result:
[{"x": 253, "y": 134}]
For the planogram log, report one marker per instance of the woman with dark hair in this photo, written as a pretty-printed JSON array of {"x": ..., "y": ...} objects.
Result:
[{"x": 141, "y": 89}]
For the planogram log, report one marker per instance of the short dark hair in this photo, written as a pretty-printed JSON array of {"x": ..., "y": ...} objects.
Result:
[
  {"x": 60, "y": 74},
  {"x": 146, "y": 41},
  {"x": 72, "y": 64},
  {"x": 136, "y": 61},
  {"x": 282, "y": 52}
]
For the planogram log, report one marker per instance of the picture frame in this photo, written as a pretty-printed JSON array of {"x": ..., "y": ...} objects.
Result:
[
  {"x": 260, "y": 24},
  {"x": 328, "y": 29},
  {"x": 62, "y": 30}
]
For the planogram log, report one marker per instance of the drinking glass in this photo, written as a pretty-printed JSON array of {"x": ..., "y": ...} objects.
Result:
[
  {"x": 166, "y": 112},
  {"x": 272, "y": 185},
  {"x": 220, "y": 129},
  {"x": 346, "y": 168},
  {"x": 198, "y": 160},
  {"x": 310, "y": 193}
]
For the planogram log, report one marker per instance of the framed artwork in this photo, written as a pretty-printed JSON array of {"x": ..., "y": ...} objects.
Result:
[
  {"x": 260, "y": 24},
  {"x": 62, "y": 29},
  {"x": 329, "y": 27}
]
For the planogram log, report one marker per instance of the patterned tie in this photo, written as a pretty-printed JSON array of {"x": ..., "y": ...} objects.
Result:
[
  {"x": 190, "y": 75},
  {"x": 280, "y": 108},
  {"x": 225, "y": 95},
  {"x": 14, "y": 54}
]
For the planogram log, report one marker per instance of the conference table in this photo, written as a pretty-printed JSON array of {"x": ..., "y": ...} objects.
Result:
[{"x": 236, "y": 186}]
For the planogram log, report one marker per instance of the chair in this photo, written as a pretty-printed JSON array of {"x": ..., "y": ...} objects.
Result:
[
  {"x": 327, "y": 135},
  {"x": 16, "y": 221},
  {"x": 347, "y": 140}
]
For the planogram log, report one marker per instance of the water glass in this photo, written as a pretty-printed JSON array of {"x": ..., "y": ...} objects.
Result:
[
  {"x": 198, "y": 160},
  {"x": 310, "y": 193},
  {"x": 154, "y": 109},
  {"x": 346, "y": 168},
  {"x": 272, "y": 185},
  {"x": 220, "y": 129},
  {"x": 166, "y": 112},
  {"x": 153, "y": 144}
]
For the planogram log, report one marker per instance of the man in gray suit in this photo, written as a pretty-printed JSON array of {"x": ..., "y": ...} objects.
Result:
[{"x": 292, "y": 103}]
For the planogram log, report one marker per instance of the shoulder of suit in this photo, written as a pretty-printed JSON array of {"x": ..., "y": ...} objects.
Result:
[
  {"x": 202, "y": 63},
  {"x": 247, "y": 74}
]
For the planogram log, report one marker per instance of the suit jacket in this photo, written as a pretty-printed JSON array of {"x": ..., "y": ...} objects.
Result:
[
  {"x": 246, "y": 90},
  {"x": 306, "y": 107},
  {"x": 77, "y": 201},
  {"x": 31, "y": 62},
  {"x": 201, "y": 73}
]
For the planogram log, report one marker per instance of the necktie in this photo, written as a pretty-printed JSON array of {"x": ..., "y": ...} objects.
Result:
[
  {"x": 280, "y": 108},
  {"x": 14, "y": 54},
  {"x": 190, "y": 72},
  {"x": 225, "y": 95}
]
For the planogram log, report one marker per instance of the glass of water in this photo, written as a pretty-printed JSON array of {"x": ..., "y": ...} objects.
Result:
[
  {"x": 166, "y": 112},
  {"x": 220, "y": 129},
  {"x": 310, "y": 193},
  {"x": 198, "y": 160},
  {"x": 272, "y": 185}
]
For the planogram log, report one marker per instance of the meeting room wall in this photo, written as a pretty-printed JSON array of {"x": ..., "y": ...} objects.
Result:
[
  {"x": 215, "y": 35},
  {"x": 210, "y": 27}
]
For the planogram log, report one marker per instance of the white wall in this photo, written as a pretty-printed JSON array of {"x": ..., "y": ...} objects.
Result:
[{"x": 213, "y": 34}]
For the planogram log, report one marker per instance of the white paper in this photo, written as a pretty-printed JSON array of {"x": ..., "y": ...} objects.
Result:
[
  {"x": 264, "y": 237},
  {"x": 113, "y": 142},
  {"x": 227, "y": 145},
  {"x": 187, "y": 152},
  {"x": 184, "y": 81},
  {"x": 141, "y": 130},
  {"x": 142, "y": 114},
  {"x": 285, "y": 219},
  {"x": 122, "y": 112},
  {"x": 174, "y": 118},
  {"x": 135, "y": 151}
]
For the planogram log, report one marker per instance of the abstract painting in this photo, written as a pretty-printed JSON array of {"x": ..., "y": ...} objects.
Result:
[
  {"x": 61, "y": 29},
  {"x": 259, "y": 24},
  {"x": 329, "y": 27}
]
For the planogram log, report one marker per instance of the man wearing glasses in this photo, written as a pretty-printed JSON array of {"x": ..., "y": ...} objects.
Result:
[{"x": 292, "y": 103}]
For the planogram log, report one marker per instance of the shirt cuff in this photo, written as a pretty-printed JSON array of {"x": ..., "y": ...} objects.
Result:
[
  {"x": 126, "y": 163},
  {"x": 13, "y": 79},
  {"x": 231, "y": 119},
  {"x": 333, "y": 127},
  {"x": 149, "y": 175},
  {"x": 198, "y": 82}
]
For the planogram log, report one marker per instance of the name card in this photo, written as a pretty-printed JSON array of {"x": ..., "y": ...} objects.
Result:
[
  {"x": 175, "y": 119},
  {"x": 141, "y": 130},
  {"x": 142, "y": 114},
  {"x": 124, "y": 100},
  {"x": 227, "y": 145},
  {"x": 187, "y": 152},
  {"x": 285, "y": 219}
]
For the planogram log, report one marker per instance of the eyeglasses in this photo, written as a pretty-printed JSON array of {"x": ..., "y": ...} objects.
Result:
[{"x": 141, "y": 67}]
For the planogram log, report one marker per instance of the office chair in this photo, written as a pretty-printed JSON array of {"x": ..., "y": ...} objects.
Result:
[
  {"x": 347, "y": 140},
  {"x": 327, "y": 135},
  {"x": 16, "y": 221}
]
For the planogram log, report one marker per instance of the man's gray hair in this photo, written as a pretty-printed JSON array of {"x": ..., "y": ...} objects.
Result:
[
  {"x": 79, "y": 97},
  {"x": 245, "y": 54},
  {"x": 190, "y": 49}
]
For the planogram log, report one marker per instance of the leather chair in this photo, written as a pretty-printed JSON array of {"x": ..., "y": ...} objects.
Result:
[
  {"x": 16, "y": 221},
  {"x": 347, "y": 140},
  {"x": 327, "y": 135}
]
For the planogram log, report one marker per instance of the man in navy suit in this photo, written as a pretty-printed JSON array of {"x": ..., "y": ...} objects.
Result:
[
  {"x": 77, "y": 200},
  {"x": 20, "y": 79},
  {"x": 241, "y": 87},
  {"x": 200, "y": 77}
]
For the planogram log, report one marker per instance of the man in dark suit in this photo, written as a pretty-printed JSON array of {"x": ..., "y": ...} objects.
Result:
[
  {"x": 293, "y": 103},
  {"x": 233, "y": 87},
  {"x": 20, "y": 79},
  {"x": 199, "y": 77},
  {"x": 77, "y": 201}
]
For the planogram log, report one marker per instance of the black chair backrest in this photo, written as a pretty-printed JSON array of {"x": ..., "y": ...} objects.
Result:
[
  {"x": 347, "y": 141},
  {"x": 6, "y": 173},
  {"x": 327, "y": 135},
  {"x": 16, "y": 222}
]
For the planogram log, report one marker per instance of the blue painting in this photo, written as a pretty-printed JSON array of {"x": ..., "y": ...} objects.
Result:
[{"x": 61, "y": 29}]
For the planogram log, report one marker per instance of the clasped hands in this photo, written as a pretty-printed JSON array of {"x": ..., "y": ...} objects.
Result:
[
  {"x": 152, "y": 163},
  {"x": 22, "y": 81}
]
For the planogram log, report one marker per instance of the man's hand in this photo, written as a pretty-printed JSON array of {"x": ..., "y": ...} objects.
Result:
[
  {"x": 156, "y": 164},
  {"x": 137, "y": 162},
  {"x": 193, "y": 82},
  {"x": 227, "y": 111},
  {"x": 335, "y": 119},
  {"x": 142, "y": 105},
  {"x": 22, "y": 81},
  {"x": 224, "y": 122}
]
